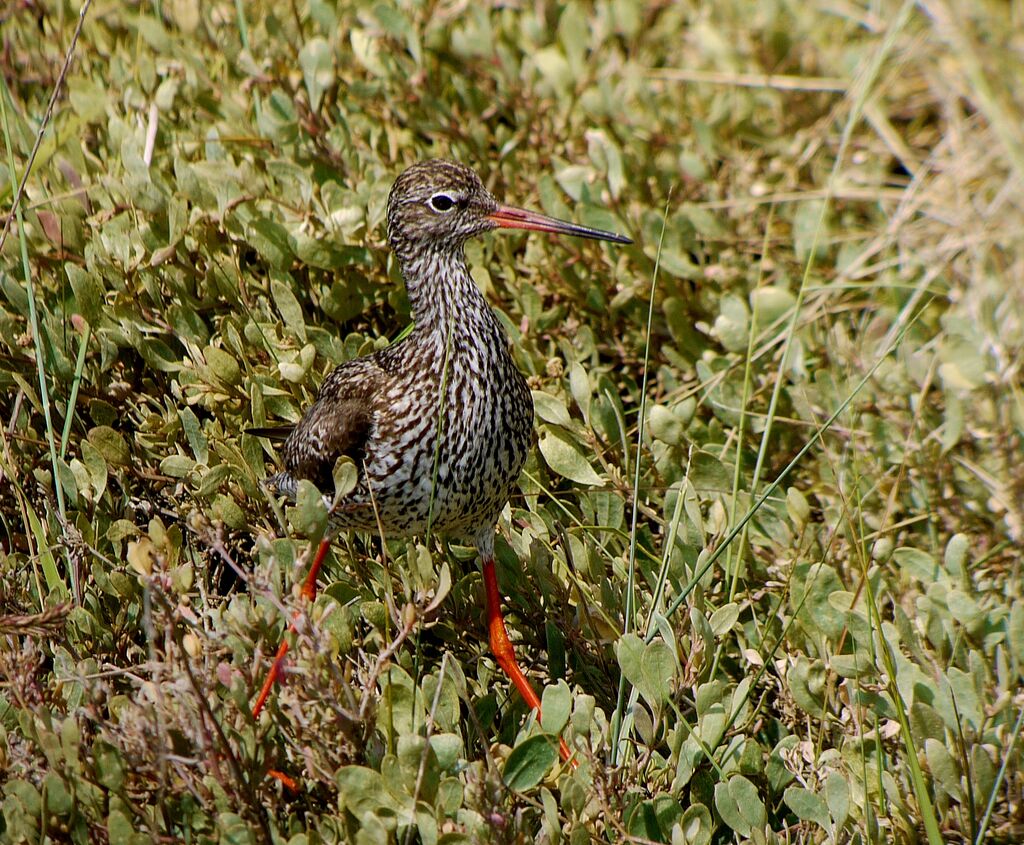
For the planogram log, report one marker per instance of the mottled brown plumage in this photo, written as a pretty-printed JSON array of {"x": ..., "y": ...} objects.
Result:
[
  {"x": 384, "y": 410},
  {"x": 438, "y": 425}
]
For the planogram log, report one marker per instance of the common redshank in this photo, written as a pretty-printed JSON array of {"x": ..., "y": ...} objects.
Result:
[{"x": 439, "y": 424}]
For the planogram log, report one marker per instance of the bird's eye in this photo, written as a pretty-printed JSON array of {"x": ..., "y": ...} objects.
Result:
[{"x": 442, "y": 202}]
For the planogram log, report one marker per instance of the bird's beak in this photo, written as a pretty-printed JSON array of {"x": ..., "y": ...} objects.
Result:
[{"x": 510, "y": 217}]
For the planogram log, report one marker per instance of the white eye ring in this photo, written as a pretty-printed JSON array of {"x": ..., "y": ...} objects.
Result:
[{"x": 442, "y": 202}]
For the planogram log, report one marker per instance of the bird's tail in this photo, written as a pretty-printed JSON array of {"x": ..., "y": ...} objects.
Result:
[{"x": 277, "y": 433}]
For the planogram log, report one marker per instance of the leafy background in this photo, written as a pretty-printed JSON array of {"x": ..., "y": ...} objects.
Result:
[{"x": 765, "y": 560}]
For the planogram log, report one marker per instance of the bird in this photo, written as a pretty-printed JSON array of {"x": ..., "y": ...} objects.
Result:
[{"x": 438, "y": 424}]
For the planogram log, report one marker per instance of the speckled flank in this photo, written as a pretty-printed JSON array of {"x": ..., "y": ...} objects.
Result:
[{"x": 384, "y": 409}]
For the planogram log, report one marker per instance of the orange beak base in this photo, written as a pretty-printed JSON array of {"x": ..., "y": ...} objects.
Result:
[{"x": 510, "y": 217}]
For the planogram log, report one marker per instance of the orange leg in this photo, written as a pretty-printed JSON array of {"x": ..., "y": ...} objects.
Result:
[
  {"x": 502, "y": 649},
  {"x": 309, "y": 592}
]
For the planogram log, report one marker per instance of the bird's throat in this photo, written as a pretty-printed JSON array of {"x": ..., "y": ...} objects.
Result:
[{"x": 440, "y": 289}]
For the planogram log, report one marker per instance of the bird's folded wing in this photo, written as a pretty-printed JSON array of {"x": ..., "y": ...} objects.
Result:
[{"x": 337, "y": 424}]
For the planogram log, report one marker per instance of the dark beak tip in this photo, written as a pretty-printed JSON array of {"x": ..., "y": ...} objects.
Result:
[{"x": 613, "y": 237}]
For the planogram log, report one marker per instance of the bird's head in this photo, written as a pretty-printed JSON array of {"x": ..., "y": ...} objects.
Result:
[{"x": 443, "y": 204}]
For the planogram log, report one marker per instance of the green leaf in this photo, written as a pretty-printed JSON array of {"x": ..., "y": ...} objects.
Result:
[
  {"x": 366, "y": 50},
  {"x": 572, "y": 177},
  {"x": 552, "y": 824},
  {"x": 197, "y": 440},
  {"x": 88, "y": 290},
  {"x": 110, "y": 767},
  {"x": 925, "y": 722},
  {"x": 696, "y": 825},
  {"x": 529, "y": 762},
  {"x": 943, "y": 767},
  {"x": 806, "y": 681},
  {"x": 771, "y": 304},
  {"x": 732, "y": 326},
  {"x": 657, "y": 669},
  {"x": 96, "y": 466},
  {"x": 317, "y": 63},
  {"x": 289, "y": 308},
  {"x": 226, "y": 509},
  {"x": 712, "y": 711},
  {"x": 270, "y": 239},
  {"x": 1015, "y": 631},
  {"x": 68, "y": 482},
  {"x": 446, "y": 711},
  {"x": 797, "y": 508},
  {"x": 110, "y": 444},
  {"x": 649, "y": 821},
  {"x": 234, "y": 830},
  {"x": 551, "y": 409},
  {"x": 605, "y": 154},
  {"x": 310, "y": 512},
  {"x": 55, "y": 791},
  {"x": 583, "y": 714},
  {"x": 967, "y": 612},
  {"x": 223, "y": 365},
  {"x": 555, "y": 706},
  {"x": 920, "y": 565},
  {"x": 729, "y": 810},
  {"x": 812, "y": 586},
  {"x": 806, "y": 230},
  {"x": 120, "y": 529},
  {"x": 88, "y": 97},
  {"x": 14, "y": 293},
  {"x": 566, "y": 457},
  {"x": 983, "y": 771},
  {"x": 956, "y": 555},
  {"x": 279, "y": 119},
  {"x": 574, "y": 34},
  {"x": 708, "y": 474},
  {"x": 419, "y": 766},
  {"x": 665, "y": 425},
  {"x": 740, "y": 806},
  {"x": 723, "y": 619},
  {"x": 554, "y": 69},
  {"x": 449, "y": 749},
  {"x": 177, "y": 466},
  {"x": 807, "y": 805},
  {"x": 629, "y": 650},
  {"x": 326, "y": 254},
  {"x": 119, "y": 829},
  {"x": 837, "y": 796},
  {"x": 159, "y": 355},
  {"x": 364, "y": 792},
  {"x": 643, "y": 722},
  {"x": 402, "y": 699}
]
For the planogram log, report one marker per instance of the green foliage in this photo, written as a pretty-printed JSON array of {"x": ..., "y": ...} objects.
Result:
[{"x": 829, "y": 197}]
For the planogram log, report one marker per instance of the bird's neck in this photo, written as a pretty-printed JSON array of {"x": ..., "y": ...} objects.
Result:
[{"x": 440, "y": 288}]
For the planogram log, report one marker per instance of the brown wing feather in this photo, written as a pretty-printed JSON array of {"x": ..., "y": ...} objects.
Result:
[{"x": 337, "y": 424}]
